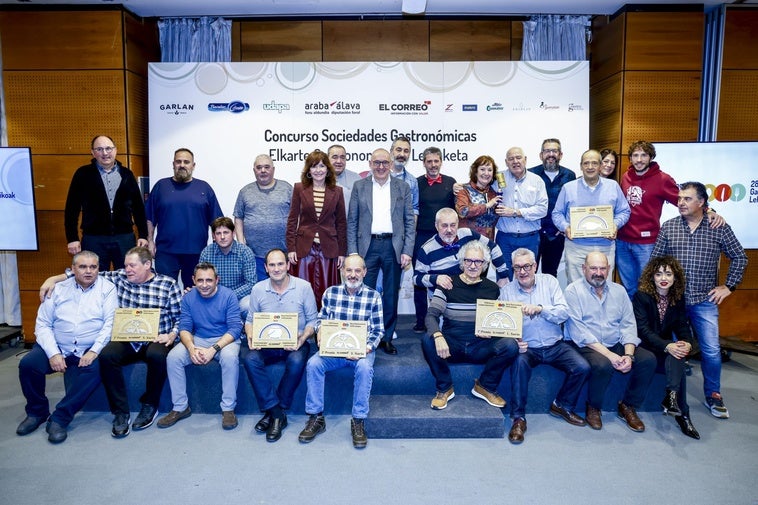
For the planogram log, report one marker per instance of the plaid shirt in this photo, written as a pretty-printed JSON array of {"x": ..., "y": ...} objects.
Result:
[
  {"x": 236, "y": 270},
  {"x": 365, "y": 305},
  {"x": 699, "y": 253},
  {"x": 160, "y": 292}
]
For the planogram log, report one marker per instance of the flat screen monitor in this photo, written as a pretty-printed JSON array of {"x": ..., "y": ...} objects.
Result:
[{"x": 18, "y": 221}]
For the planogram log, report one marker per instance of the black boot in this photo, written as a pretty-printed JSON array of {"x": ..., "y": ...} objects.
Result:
[
  {"x": 687, "y": 427},
  {"x": 670, "y": 404}
]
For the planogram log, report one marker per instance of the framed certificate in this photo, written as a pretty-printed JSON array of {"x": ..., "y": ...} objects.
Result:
[
  {"x": 274, "y": 330},
  {"x": 343, "y": 339},
  {"x": 135, "y": 325},
  {"x": 589, "y": 222},
  {"x": 496, "y": 318}
]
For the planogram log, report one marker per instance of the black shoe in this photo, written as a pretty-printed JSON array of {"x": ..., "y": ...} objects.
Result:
[
  {"x": 29, "y": 424},
  {"x": 55, "y": 432},
  {"x": 358, "y": 430},
  {"x": 315, "y": 425},
  {"x": 274, "y": 431},
  {"x": 686, "y": 426},
  {"x": 419, "y": 328},
  {"x": 265, "y": 421},
  {"x": 120, "y": 426},
  {"x": 145, "y": 418},
  {"x": 670, "y": 404},
  {"x": 386, "y": 346}
]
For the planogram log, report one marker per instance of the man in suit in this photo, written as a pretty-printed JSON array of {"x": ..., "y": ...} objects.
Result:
[{"x": 381, "y": 229}]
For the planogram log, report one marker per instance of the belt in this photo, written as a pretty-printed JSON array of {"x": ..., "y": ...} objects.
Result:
[
  {"x": 519, "y": 235},
  {"x": 381, "y": 236}
]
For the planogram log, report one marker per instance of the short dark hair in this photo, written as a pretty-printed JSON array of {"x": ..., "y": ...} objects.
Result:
[
  {"x": 699, "y": 188},
  {"x": 431, "y": 150},
  {"x": 645, "y": 146},
  {"x": 92, "y": 144},
  {"x": 204, "y": 265},
  {"x": 224, "y": 221},
  {"x": 550, "y": 141},
  {"x": 184, "y": 150},
  {"x": 271, "y": 251}
]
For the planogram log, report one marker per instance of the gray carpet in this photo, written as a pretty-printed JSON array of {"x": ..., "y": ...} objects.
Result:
[{"x": 195, "y": 462}]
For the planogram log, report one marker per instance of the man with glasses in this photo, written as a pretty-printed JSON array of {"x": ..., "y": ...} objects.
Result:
[
  {"x": 345, "y": 178},
  {"x": 381, "y": 229},
  {"x": 554, "y": 176},
  {"x": 456, "y": 341},
  {"x": 545, "y": 310},
  {"x": 110, "y": 202}
]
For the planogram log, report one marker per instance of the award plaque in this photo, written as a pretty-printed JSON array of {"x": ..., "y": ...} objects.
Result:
[
  {"x": 135, "y": 325},
  {"x": 274, "y": 330},
  {"x": 497, "y": 318},
  {"x": 343, "y": 339},
  {"x": 593, "y": 222}
]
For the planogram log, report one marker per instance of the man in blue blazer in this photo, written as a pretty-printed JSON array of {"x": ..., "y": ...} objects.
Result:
[{"x": 381, "y": 228}]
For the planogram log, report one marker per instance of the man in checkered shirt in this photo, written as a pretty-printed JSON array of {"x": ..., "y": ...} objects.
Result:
[
  {"x": 138, "y": 287},
  {"x": 698, "y": 248},
  {"x": 350, "y": 301}
]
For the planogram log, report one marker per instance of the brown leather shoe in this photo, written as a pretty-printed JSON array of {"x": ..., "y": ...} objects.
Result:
[
  {"x": 516, "y": 435},
  {"x": 566, "y": 414},
  {"x": 593, "y": 418},
  {"x": 628, "y": 415}
]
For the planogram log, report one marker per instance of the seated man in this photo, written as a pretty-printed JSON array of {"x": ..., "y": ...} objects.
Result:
[
  {"x": 280, "y": 292},
  {"x": 457, "y": 342},
  {"x": 209, "y": 328},
  {"x": 72, "y": 328},
  {"x": 544, "y": 309},
  {"x": 234, "y": 262},
  {"x": 350, "y": 301},
  {"x": 601, "y": 323}
]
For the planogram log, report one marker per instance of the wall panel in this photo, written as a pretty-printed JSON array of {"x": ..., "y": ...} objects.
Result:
[
  {"x": 376, "y": 40},
  {"x": 470, "y": 40},
  {"x": 280, "y": 41},
  {"x": 605, "y": 112},
  {"x": 738, "y": 106},
  {"x": 52, "y": 176},
  {"x": 740, "y": 33},
  {"x": 141, "y": 43},
  {"x": 664, "y": 41},
  {"x": 607, "y": 48},
  {"x": 136, "y": 120}
]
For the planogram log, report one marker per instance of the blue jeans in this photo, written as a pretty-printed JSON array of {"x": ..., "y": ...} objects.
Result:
[
  {"x": 315, "y": 372},
  {"x": 704, "y": 318},
  {"x": 559, "y": 355},
  {"x": 630, "y": 261},
  {"x": 496, "y": 353},
  {"x": 255, "y": 362},
  {"x": 80, "y": 382},
  {"x": 509, "y": 242},
  {"x": 228, "y": 358},
  {"x": 260, "y": 269}
]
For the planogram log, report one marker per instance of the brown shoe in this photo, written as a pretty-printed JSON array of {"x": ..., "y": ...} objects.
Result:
[
  {"x": 172, "y": 417},
  {"x": 628, "y": 415},
  {"x": 490, "y": 397},
  {"x": 566, "y": 414},
  {"x": 228, "y": 420},
  {"x": 516, "y": 435},
  {"x": 593, "y": 417}
]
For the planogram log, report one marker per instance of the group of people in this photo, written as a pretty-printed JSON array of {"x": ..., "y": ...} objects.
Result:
[{"x": 319, "y": 249}]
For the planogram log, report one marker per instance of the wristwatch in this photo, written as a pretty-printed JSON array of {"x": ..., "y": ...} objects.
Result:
[
  {"x": 216, "y": 347},
  {"x": 631, "y": 357}
]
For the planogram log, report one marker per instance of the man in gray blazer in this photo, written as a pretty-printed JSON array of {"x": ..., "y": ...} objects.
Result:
[{"x": 381, "y": 228}]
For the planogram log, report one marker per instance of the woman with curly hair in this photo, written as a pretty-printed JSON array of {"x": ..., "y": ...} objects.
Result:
[
  {"x": 476, "y": 202},
  {"x": 317, "y": 226},
  {"x": 664, "y": 329}
]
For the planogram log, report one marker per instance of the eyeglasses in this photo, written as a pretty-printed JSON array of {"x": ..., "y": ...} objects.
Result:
[
  {"x": 380, "y": 163},
  {"x": 473, "y": 262},
  {"x": 523, "y": 268},
  {"x": 106, "y": 150},
  {"x": 551, "y": 151}
]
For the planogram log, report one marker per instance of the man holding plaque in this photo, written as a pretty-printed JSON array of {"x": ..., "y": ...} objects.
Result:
[
  {"x": 457, "y": 341},
  {"x": 72, "y": 328},
  {"x": 586, "y": 193},
  {"x": 601, "y": 323},
  {"x": 209, "y": 328},
  {"x": 351, "y": 301},
  {"x": 541, "y": 342},
  {"x": 280, "y": 293}
]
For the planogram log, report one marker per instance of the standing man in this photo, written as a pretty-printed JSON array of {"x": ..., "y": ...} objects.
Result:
[
  {"x": 380, "y": 228},
  {"x": 401, "y": 153},
  {"x": 522, "y": 208},
  {"x": 589, "y": 191},
  {"x": 545, "y": 310},
  {"x": 554, "y": 176},
  {"x": 345, "y": 178},
  {"x": 182, "y": 208},
  {"x": 435, "y": 191},
  {"x": 110, "y": 202},
  {"x": 209, "y": 328},
  {"x": 281, "y": 292},
  {"x": 698, "y": 248},
  {"x": 602, "y": 325},
  {"x": 350, "y": 301},
  {"x": 234, "y": 262},
  {"x": 72, "y": 328},
  {"x": 261, "y": 211},
  {"x": 137, "y": 287}
]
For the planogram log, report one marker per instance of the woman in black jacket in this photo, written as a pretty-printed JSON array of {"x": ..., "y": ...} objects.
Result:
[{"x": 664, "y": 329}]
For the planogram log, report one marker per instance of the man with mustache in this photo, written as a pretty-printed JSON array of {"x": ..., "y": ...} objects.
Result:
[{"x": 601, "y": 324}]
